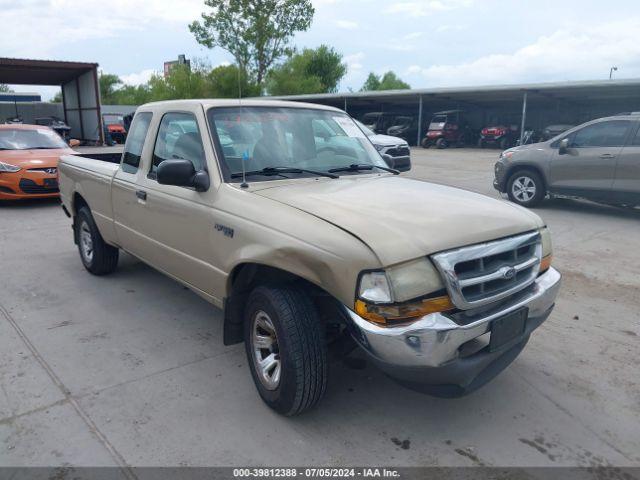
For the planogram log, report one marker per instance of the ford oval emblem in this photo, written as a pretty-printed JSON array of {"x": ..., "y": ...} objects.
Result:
[{"x": 508, "y": 273}]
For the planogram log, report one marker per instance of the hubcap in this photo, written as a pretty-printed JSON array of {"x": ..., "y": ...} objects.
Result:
[
  {"x": 86, "y": 242},
  {"x": 266, "y": 355},
  {"x": 523, "y": 188}
]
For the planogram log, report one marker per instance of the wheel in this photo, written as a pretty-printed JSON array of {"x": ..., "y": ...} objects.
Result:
[
  {"x": 441, "y": 143},
  {"x": 505, "y": 143},
  {"x": 425, "y": 143},
  {"x": 286, "y": 348},
  {"x": 97, "y": 256},
  {"x": 526, "y": 188}
]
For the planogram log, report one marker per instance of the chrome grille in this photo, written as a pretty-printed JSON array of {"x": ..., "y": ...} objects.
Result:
[{"x": 487, "y": 272}]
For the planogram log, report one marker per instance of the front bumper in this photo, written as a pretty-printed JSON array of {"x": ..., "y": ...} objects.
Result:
[
  {"x": 27, "y": 184},
  {"x": 500, "y": 177},
  {"x": 431, "y": 354}
]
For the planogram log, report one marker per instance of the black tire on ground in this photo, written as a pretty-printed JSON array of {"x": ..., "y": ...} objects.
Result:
[
  {"x": 527, "y": 179},
  {"x": 98, "y": 257},
  {"x": 300, "y": 348},
  {"x": 441, "y": 143},
  {"x": 425, "y": 143}
]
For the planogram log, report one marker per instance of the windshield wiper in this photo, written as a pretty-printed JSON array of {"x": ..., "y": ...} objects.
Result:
[
  {"x": 280, "y": 170},
  {"x": 356, "y": 167}
]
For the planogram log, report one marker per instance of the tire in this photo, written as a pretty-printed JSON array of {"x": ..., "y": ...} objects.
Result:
[
  {"x": 505, "y": 143},
  {"x": 425, "y": 143},
  {"x": 98, "y": 257},
  {"x": 441, "y": 143},
  {"x": 289, "y": 328},
  {"x": 526, "y": 188}
]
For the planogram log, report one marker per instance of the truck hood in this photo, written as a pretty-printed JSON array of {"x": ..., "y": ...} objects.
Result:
[
  {"x": 37, "y": 158},
  {"x": 386, "y": 140},
  {"x": 400, "y": 218}
]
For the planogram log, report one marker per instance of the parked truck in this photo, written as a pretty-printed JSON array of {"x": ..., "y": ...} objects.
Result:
[{"x": 307, "y": 243}]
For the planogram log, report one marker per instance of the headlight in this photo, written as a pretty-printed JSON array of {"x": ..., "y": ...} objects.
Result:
[
  {"x": 401, "y": 293},
  {"x": 547, "y": 249},
  {"x": 378, "y": 147},
  {"x": 7, "y": 167},
  {"x": 506, "y": 155}
]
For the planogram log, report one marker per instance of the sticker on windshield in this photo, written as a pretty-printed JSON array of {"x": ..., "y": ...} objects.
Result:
[{"x": 348, "y": 126}]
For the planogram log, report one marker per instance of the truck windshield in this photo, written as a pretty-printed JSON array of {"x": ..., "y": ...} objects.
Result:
[
  {"x": 27, "y": 139},
  {"x": 297, "y": 138}
]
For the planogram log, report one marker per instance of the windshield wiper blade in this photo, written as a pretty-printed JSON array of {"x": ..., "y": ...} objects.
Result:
[
  {"x": 357, "y": 167},
  {"x": 280, "y": 170}
]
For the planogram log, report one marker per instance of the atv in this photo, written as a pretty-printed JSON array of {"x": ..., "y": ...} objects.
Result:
[{"x": 446, "y": 129}]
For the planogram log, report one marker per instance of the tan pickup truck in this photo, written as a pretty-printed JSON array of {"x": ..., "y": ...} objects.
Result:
[{"x": 286, "y": 217}]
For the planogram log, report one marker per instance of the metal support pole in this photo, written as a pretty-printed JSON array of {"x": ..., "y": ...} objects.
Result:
[
  {"x": 345, "y": 104},
  {"x": 419, "y": 121},
  {"x": 524, "y": 117}
]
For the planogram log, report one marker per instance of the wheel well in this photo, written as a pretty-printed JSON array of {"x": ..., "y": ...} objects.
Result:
[
  {"x": 247, "y": 276},
  {"x": 78, "y": 203},
  {"x": 530, "y": 168}
]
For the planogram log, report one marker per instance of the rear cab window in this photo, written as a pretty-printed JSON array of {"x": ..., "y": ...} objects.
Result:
[{"x": 135, "y": 142}]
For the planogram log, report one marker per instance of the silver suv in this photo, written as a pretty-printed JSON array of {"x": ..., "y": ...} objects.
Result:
[{"x": 598, "y": 160}]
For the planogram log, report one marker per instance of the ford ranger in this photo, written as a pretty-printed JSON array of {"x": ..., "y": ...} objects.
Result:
[{"x": 308, "y": 242}]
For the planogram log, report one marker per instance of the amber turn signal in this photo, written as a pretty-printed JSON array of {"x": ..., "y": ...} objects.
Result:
[
  {"x": 386, "y": 315},
  {"x": 545, "y": 263}
]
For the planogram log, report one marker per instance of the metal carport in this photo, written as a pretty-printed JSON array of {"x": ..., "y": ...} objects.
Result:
[
  {"x": 532, "y": 105},
  {"x": 80, "y": 90}
]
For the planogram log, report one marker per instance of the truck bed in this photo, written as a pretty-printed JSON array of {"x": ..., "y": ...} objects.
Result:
[
  {"x": 90, "y": 178},
  {"x": 106, "y": 154}
]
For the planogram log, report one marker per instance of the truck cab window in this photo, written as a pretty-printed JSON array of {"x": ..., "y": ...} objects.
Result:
[
  {"x": 178, "y": 138},
  {"x": 135, "y": 142}
]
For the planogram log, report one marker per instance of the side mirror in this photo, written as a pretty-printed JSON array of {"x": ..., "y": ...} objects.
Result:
[
  {"x": 74, "y": 143},
  {"x": 563, "y": 147},
  {"x": 182, "y": 173}
]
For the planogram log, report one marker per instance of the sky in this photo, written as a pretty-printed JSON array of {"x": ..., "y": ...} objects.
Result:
[{"x": 428, "y": 43}]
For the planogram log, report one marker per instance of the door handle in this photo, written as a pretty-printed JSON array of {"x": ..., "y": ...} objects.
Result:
[
  {"x": 141, "y": 194},
  {"x": 607, "y": 155}
]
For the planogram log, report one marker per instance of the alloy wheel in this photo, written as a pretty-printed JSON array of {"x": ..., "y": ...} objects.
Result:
[
  {"x": 523, "y": 188},
  {"x": 266, "y": 354},
  {"x": 86, "y": 242}
]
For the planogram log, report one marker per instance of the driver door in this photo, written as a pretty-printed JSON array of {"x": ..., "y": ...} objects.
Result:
[
  {"x": 587, "y": 168},
  {"x": 179, "y": 221}
]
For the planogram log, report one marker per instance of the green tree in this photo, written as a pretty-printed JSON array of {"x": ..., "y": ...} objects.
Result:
[
  {"x": 389, "y": 81},
  {"x": 255, "y": 32},
  {"x": 57, "y": 98},
  {"x": 5, "y": 88},
  {"x": 182, "y": 82},
  {"x": 109, "y": 84},
  {"x": 132, "y": 95},
  {"x": 371, "y": 83},
  {"x": 229, "y": 81},
  {"x": 310, "y": 71}
]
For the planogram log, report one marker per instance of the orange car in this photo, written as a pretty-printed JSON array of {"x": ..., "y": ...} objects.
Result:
[{"x": 29, "y": 161}]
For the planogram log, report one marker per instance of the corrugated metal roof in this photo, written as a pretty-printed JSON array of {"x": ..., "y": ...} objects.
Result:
[
  {"x": 25, "y": 71},
  {"x": 581, "y": 88}
]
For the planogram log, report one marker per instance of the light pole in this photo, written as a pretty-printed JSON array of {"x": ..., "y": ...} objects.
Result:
[{"x": 613, "y": 69}]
